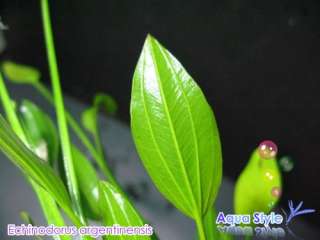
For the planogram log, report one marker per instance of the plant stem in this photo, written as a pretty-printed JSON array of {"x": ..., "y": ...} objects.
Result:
[
  {"x": 200, "y": 228},
  {"x": 61, "y": 118},
  {"x": 52, "y": 214},
  {"x": 9, "y": 110},
  {"x": 82, "y": 136}
]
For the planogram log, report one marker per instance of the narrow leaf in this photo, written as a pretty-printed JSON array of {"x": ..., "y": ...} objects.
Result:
[
  {"x": 88, "y": 184},
  {"x": 175, "y": 131},
  {"x": 32, "y": 165},
  {"x": 51, "y": 211},
  {"x": 116, "y": 209}
]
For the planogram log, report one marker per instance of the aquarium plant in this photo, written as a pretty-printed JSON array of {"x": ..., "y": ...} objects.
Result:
[{"x": 174, "y": 130}]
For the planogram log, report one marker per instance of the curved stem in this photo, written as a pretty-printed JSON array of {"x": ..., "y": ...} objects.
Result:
[{"x": 82, "y": 136}]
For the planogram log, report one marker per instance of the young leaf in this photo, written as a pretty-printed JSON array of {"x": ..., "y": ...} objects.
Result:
[
  {"x": 116, "y": 209},
  {"x": 88, "y": 184},
  {"x": 89, "y": 116},
  {"x": 106, "y": 102},
  {"x": 175, "y": 131},
  {"x": 20, "y": 73},
  {"x": 40, "y": 131},
  {"x": 258, "y": 187}
]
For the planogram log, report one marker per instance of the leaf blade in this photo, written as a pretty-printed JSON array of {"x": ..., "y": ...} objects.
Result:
[
  {"x": 166, "y": 103},
  {"x": 116, "y": 209}
]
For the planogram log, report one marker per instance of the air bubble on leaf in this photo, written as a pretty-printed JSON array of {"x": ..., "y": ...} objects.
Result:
[
  {"x": 42, "y": 151},
  {"x": 269, "y": 175},
  {"x": 276, "y": 192},
  {"x": 267, "y": 149},
  {"x": 286, "y": 164}
]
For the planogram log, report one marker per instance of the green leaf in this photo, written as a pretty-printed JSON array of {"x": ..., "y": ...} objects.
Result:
[
  {"x": 106, "y": 102},
  {"x": 90, "y": 116},
  {"x": 34, "y": 167},
  {"x": 20, "y": 73},
  {"x": 116, "y": 209},
  {"x": 50, "y": 210},
  {"x": 256, "y": 185},
  {"x": 175, "y": 131},
  {"x": 25, "y": 217},
  {"x": 210, "y": 227},
  {"x": 89, "y": 120},
  {"x": 88, "y": 184},
  {"x": 40, "y": 131}
]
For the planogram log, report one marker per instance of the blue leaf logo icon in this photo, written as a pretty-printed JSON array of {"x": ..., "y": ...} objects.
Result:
[{"x": 296, "y": 211}]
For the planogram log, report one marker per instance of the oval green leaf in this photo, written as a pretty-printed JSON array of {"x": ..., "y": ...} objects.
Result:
[
  {"x": 19, "y": 73},
  {"x": 258, "y": 187},
  {"x": 40, "y": 131},
  {"x": 116, "y": 209},
  {"x": 175, "y": 131}
]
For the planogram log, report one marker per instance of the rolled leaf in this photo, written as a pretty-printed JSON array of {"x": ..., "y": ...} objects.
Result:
[
  {"x": 116, "y": 209},
  {"x": 258, "y": 187},
  {"x": 175, "y": 131}
]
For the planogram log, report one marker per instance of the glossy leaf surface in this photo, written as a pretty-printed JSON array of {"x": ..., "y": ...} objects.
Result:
[
  {"x": 116, "y": 209},
  {"x": 32, "y": 165},
  {"x": 175, "y": 131},
  {"x": 254, "y": 190},
  {"x": 20, "y": 73},
  {"x": 40, "y": 131},
  {"x": 88, "y": 184}
]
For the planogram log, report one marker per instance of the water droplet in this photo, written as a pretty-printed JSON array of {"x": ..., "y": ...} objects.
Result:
[
  {"x": 269, "y": 176},
  {"x": 267, "y": 149},
  {"x": 41, "y": 150},
  {"x": 286, "y": 164},
  {"x": 276, "y": 192}
]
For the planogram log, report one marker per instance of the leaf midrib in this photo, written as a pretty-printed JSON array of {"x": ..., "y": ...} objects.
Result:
[
  {"x": 173, "y": 133},
  {"x": 195, "y": 136},
  {"x": 153, "y": 137}
]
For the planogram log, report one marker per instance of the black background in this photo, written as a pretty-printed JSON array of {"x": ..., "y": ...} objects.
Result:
[{"x": 258, "y": 63}]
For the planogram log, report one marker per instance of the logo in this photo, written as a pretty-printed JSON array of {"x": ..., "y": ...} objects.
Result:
[
  {"x": 296, "y": 211},
  {"x": 272, "y": 225}
]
